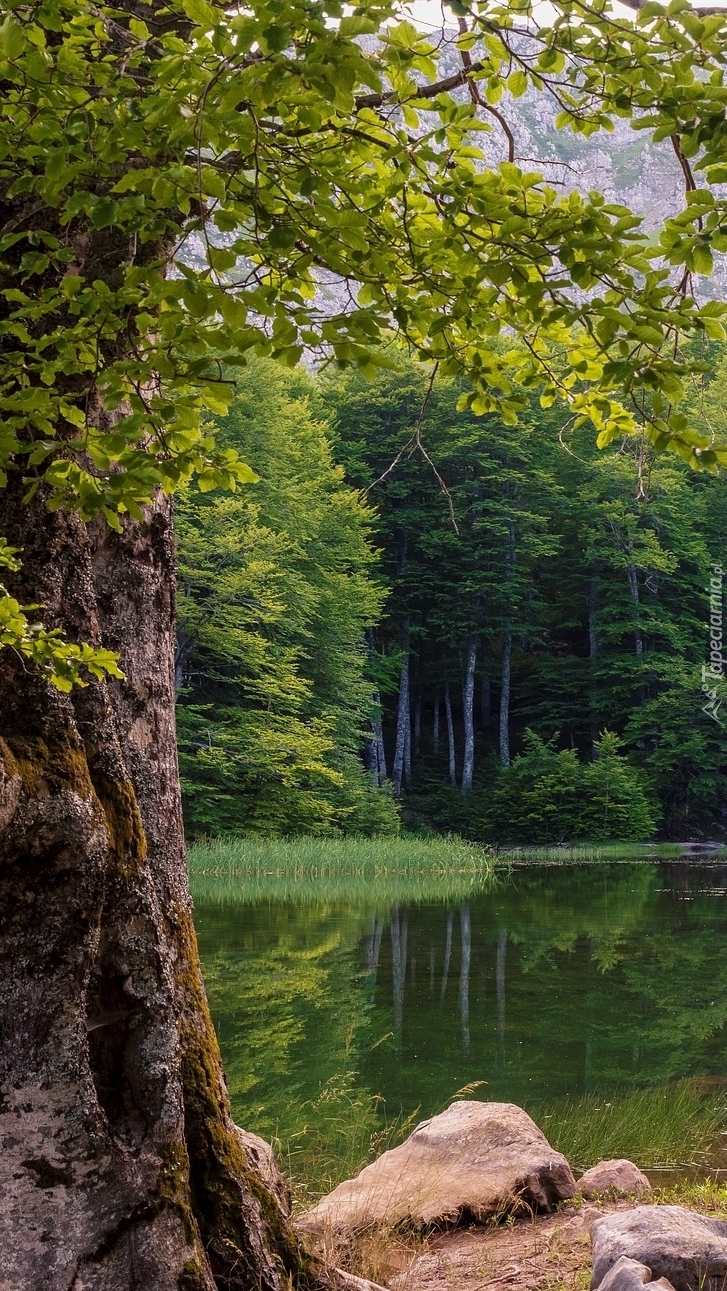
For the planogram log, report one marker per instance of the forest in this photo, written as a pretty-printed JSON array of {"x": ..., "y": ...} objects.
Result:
[
  {"x": 360, "y": 452},
  {"x": 426, "y": 618}
]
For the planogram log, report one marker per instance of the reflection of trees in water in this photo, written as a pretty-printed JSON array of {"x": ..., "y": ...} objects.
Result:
[
  {"x": 631, "y": 960},
  {"x": 372, "y": 944},
  {"x": 500, "y": 987},
  {"x": 399, "y": 930},
  {"x": 447, "y": 953},
  {"x": 464, "y": 973}
]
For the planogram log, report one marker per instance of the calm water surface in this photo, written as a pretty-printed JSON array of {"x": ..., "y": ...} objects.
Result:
[{"x": 560, "y": 981}]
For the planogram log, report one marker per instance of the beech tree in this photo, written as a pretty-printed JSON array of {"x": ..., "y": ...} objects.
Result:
[{"x": 182, "y": 183}]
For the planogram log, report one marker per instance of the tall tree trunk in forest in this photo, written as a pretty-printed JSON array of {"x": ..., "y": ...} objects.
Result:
[
  {"x": 121, "y": 1165},
  {"x": 468, "y": 698},
  {"x": 633, "y": 582},
  {"x": 435, "y": 729},
  {"x": 403, "y": 720},
  {"x": 450, "y": 735},
  {"x": 383, "y": 773},
  {"x": 375, "y": 752},
  {"x": 486, "y": 703},
  {"x": 507, "y": 657},
  {"x": 371, "y": 754},
  {"x": 592, "y": 658},
  {"x": 505, "y": 700}
]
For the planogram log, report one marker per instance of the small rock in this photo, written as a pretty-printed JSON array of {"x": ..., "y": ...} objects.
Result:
[
  {"x": 629, "y": 1275},
  {"x": 474, "y": 1161},
  {"x": 621, "y": 1177},
  {"x": 687, "y": 1249}
]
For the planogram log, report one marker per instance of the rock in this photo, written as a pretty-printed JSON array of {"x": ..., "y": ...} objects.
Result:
[
  {"x": 262, "y": 1160},
  {"x": 473, "y": 1161},
  {"x": 688, "y": 1249},
  {"x": 629, "y": 1275},
  {"x": 621, "y": 1177}
]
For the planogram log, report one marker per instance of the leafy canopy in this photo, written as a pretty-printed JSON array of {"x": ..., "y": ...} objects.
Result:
[{"x": 184, "y": 183}]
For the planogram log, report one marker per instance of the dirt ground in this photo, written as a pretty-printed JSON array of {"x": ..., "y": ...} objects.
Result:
[{"x": 543, "y": 1253}]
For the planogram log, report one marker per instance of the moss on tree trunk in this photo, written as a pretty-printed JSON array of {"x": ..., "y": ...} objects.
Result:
[{"x": 121, "y": 1166}]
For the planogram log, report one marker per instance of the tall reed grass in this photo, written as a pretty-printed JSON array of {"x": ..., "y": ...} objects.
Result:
[
  {"x": 676, "y": 1126},
  {"x": 371, "y": 871}
]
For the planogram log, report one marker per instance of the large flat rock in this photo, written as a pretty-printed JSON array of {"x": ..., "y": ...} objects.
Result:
[
  {"x": 474, "y": 1161},
  {"x": 688, "y": 1249}
]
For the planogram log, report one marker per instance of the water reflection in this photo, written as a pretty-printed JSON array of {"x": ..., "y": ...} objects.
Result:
[{"x": 599, "y": 978}]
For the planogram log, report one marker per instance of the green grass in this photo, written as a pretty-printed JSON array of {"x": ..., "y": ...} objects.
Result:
[
  {"x": 372, "y": 871},
  {"x": 674, "y": 1127},
  {"x": 340, "y": 1132},
  {"x": 589, "y": 853},
  {"x": 671, "y": 1128}
]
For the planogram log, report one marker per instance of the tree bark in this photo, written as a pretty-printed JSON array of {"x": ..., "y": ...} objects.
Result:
[
  {"x": 435, "y": 726},
  {"x": 468, "y": 696},
  {"x": 633, "y": 582},
  {"x": 510, "y": 556},
  {"x": 486, "y": 703},
  {"x": 375, "y": 754},
  {"x": 121, "y": 1166},
  {"x": 407, "y": 748},
  {"x": 403, "y": 723},
  {"x": 593, "y": 659},
  {"x": 450, "y": 735},
  {"x": 505, "y": 700}
]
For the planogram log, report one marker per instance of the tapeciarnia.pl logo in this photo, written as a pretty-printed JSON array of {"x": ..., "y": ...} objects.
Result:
[{"x": 714, "y": 670}]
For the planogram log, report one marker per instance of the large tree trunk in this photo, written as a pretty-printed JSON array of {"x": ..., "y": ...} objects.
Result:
[{"x": 121, "y": 1166}]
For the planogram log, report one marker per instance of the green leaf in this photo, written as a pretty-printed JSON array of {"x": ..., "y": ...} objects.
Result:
[
  {"x": 201, "y": 13},
  {"x": 12, "y": 38},
  {"x": 702, "y": 260}
]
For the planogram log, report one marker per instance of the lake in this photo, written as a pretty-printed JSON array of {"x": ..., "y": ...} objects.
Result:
[{"x": 595, "y": 996}]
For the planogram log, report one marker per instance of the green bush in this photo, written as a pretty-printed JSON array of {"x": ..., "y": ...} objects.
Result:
[{"x": 547, "y": 795}]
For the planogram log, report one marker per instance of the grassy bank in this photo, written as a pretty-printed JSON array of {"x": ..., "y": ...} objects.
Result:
[
  {"x": 674, "y": 1128},
  {"x": 614, "y": 853},
  {"x": 670, "y": 1127},
  {"x": 383, "y": 870}
]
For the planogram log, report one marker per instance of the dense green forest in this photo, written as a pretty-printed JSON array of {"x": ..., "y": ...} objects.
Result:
[{"x": 425, "y": 615}]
